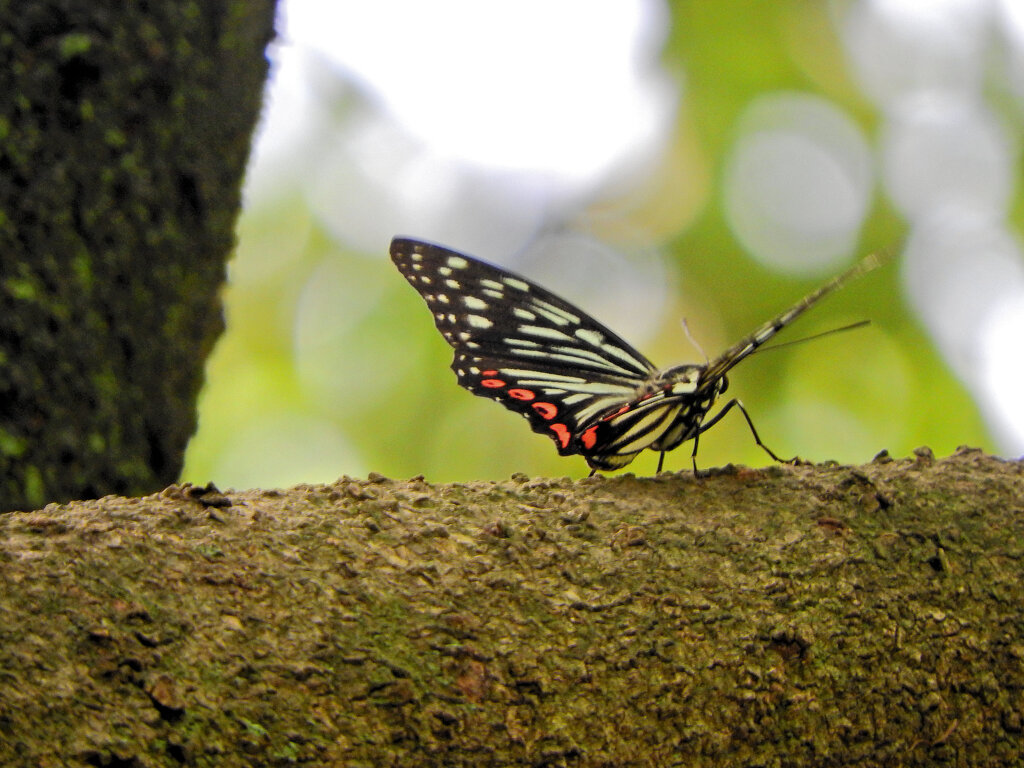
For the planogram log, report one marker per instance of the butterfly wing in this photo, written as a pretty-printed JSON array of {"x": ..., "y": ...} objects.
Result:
[
  {"x": 668, "y": 413},
  {"x": 522, "y": 345}
]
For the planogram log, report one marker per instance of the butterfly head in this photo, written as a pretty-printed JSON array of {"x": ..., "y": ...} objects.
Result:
[
  {"x": 691, "y": 379},
  {"x": 678, "y": 380}
]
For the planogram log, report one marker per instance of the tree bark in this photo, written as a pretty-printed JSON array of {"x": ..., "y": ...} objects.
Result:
[
  {"x": 124, "y": 134},
  {"x": 798, "y": 616}
]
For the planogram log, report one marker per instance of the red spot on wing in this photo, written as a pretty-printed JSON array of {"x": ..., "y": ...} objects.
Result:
[
  {"x": 589, "y": 437},
  {"x": 521, "y": 394},
  {"x": 562, "y": 434},
  {"x": 488, "y": 373},
  {"x": 546, "y": 411},
  {"x": 492, "y": 383},
  {"x": 621, "y": 410}
]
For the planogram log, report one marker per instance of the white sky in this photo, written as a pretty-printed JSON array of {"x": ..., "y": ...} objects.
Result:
[{"x": 563, "y": 88}]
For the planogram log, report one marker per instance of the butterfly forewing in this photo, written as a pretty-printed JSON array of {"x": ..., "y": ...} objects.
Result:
[{"x": 522, "y": 345}]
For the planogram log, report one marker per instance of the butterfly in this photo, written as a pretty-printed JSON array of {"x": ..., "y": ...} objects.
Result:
[{"x": 572, "y": 378}]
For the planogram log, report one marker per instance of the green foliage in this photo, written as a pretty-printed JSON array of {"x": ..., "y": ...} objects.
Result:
[{"x": 392, "y": 403}]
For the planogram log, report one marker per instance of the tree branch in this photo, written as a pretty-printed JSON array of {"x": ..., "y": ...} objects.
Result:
[
  {"x": 123, "y": 142},
  {"x": 812, "y": 615}
]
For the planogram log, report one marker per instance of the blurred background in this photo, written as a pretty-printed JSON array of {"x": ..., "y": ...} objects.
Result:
[{"x": 650, "y": 161}]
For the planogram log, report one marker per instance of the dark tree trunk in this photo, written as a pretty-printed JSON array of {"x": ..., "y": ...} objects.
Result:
[
  {"x": 808, "y": 616},
  {"x": 124, "y": 134}
]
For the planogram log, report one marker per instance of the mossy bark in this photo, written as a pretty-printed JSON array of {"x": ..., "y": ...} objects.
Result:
[
  {"x": 797, "y": 616},
  {"x": 124, "y": 135}
]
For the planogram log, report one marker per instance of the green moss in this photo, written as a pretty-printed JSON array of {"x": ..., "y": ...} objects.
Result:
[
  {"x": 21, "y": 288},
  {"x": 82, "y": 269},
  {"x": 11, "y": 445},
  {"x": 114, "y": 137},
  {"x": 106, "y": 122},
  {"x": 253, "y": 729},
  {"x": 74, "y": 44},
  {"x": 105, "y": 383},
  {"x": 289, "y": 752}
]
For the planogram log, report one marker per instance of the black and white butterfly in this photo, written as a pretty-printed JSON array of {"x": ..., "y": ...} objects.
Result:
[{"x": 573, "y": 379}]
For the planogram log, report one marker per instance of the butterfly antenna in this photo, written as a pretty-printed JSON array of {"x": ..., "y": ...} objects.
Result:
[
  {"x": 693, "y": 341},
  {"x": 812, "y": 337},
  {"x": 746, "y": 347}
]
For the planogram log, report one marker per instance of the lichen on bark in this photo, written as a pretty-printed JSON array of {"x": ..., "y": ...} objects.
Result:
[
  {"x": 123, "y": 141},
  {"x": 799, "y": 616}
]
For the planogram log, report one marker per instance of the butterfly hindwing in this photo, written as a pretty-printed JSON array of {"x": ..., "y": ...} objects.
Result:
[{"x": 556, "y": 404}]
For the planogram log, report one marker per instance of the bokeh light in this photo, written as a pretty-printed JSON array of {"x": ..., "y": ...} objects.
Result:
[
  {"x": 798, "y": 183},
  {"x": 650, "y": 161}
]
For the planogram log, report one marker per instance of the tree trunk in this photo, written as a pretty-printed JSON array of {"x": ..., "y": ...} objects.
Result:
[
  {"x": 797, "y": 616},
  {"x": 124, "y": 135}
]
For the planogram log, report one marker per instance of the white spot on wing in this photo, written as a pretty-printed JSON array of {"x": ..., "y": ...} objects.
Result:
[
  {"x": 534, "y": 376},
  {"x": 594, "y": 338},
  {"x": 545, "y": 307},
  {"x": 582, "y": 356},
  {"x": 474, "y": 303},
  {"x": 454, "y": 284},
  {"x": 478, "y": 321},
  {"x": 511, "y": 282},
  {"x": 457, "y": 262},
  {"x": 543, "y": 333},
  {"x": 645, "y": 431},
  {"x": 613, "y": 351},
  {"x": 573, "y": 399}
]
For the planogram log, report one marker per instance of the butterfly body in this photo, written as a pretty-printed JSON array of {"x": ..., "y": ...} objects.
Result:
[{"x": 572, "y": 378}]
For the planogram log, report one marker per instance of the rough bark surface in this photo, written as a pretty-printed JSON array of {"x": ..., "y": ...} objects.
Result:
[
  {"x": 124, "y": 133},
  {"x": 797, "y": 616}
]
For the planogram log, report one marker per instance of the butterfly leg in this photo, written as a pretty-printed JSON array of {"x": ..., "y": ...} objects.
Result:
[
  {"x": 693, "y": 457},
  {"x": 757, "y": 439},
  {"x": 661, "y": 460}
]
